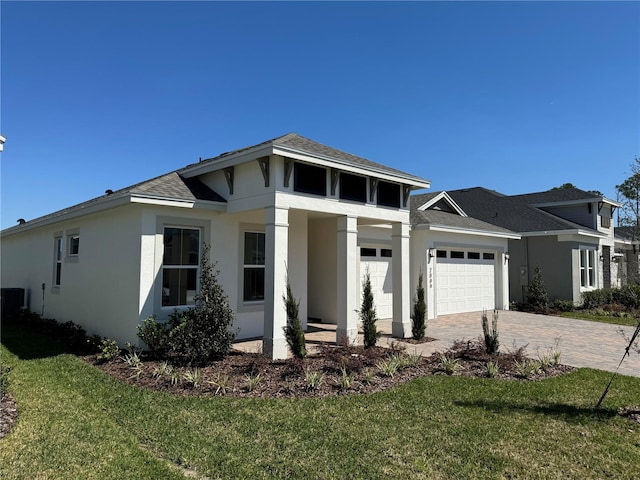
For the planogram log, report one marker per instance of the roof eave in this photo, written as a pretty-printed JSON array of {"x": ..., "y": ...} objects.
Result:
[
  {"x": 468, "y": 231},
  {"x": 576, "y": 231},
  {"x": 232, "y": 159}
]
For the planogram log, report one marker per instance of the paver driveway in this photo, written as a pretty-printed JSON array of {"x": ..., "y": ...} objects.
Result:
[{"x": 582, "y": 343}]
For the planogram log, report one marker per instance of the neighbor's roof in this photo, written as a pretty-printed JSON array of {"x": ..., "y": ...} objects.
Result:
[
  {"x": 298, "y": 144},
  {"x": 517, "y": 212},
  {"x": 629, "y": 234}
]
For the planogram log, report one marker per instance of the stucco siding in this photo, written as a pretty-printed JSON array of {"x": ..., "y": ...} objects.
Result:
[
  {"x": 323, "y": 248},
  {"x": 99, "y": 287}
]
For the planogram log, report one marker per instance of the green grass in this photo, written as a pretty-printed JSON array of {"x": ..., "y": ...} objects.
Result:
[
  {"x": 77, "y": 422},
  {"x": 588, "y": 315}
]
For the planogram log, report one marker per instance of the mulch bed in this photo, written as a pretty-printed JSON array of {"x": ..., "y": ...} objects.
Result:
[
  {"x": 232, "y": 376},
  {"x": 8, "y": 413}
]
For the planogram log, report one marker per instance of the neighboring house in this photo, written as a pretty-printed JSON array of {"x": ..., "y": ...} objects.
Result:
[
  {"x": 286, "y": 208},
  {"x": 568, "y": 233},
  {"x": 627, "y": 253}
]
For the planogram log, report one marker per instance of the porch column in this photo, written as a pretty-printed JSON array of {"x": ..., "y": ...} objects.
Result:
[
  {"x": 276, "y": 241},
  {"x": 347, "y": 297},
  {"x": 401, "y": 326}
]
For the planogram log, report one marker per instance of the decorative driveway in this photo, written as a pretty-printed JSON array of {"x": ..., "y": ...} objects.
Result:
[{"x": 581, "y": 343}]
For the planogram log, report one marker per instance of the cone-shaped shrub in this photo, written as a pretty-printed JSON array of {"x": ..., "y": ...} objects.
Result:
[
  {"x": 368, "y": 314},
  {"x": 491, "y": 342},
  {"x": 418, "y": 323},
  {"x": 293, "y": 332}
]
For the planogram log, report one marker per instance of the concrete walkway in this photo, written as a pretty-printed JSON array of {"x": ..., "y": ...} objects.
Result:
[{"x": 582, "y": 343}]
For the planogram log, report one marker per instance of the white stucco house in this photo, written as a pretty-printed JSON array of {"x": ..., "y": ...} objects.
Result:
[{"x": 287, "y": 206}]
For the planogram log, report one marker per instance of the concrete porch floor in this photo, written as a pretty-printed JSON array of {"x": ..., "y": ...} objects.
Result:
[{"x": 581, "y": 343}]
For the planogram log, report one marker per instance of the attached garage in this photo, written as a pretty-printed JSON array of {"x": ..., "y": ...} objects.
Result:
[
  {"x": 465, "y": 281},
  {"x": 378, "y": 262},
  {"x": 464, "y": 261}
]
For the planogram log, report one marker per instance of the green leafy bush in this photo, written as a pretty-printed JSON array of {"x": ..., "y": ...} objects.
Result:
[
  {"x": 418, "y": 323},
  {"x": 537, "y": 297},
  {"x": 563, "y": 305},
  {"x": 293, "y": 331},
  {"x": 109, "y": 350},
  {"x": 627, "y": 296},
  {"x": 203, "y": 333},
  {"x": 491, "y": 341},
  {"x": 156, "y": 336},
  {"x": 368, "y": 314}
]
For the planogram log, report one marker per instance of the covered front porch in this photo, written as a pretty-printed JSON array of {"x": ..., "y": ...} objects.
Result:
[{"x": 318, "y": 252}]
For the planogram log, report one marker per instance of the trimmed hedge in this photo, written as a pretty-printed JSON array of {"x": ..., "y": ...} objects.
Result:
[{"x": 628, "y": 296}]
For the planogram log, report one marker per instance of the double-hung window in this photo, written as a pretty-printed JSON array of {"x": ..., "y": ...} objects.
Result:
[
  {"x": 253, "y": 267},
  {"x": 587, "y": 268},
  {"x": 180, "y": 266},
  {"x": 57, "y": 267}
]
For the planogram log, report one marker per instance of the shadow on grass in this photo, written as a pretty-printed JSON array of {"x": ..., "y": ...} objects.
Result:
[
  {"x": 27, "y": 343},
  {"x": 561, "y": 411}
]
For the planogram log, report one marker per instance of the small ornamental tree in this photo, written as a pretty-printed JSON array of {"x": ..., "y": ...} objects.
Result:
[
  {"x": 418, "y": 324},
  {"x": 293, "y": 332},
  {"x": 537, "y": 292},
  {"x": 368, "y": 313},
  {"x": 204, "y": 333}
]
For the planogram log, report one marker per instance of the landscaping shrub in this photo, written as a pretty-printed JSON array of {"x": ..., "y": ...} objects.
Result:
[
  {"x": 563, "y": 305},
  {"x": 627, "y": 296},
  {"x": 293, "y": 331},
  {"x": 155, "y": 335},
  {"x": 491, "y": 342},
  {"x": 109, "y": 350},
  {"x": 537, "y": 296},
  {"x": 203, "y": 333},
  {"x": 418, "y": 324},
  {"x": 368, "y": 314}
]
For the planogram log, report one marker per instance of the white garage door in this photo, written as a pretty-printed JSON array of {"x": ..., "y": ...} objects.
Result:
[
  {"x": 378, "y": 261},
  {"x": 465, "y": 281}
]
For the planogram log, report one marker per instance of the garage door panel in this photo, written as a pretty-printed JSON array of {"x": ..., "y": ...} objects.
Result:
[{"x": 464, "y": 285}]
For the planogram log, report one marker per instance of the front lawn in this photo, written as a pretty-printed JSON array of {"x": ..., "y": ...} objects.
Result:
[
  {"x": 78, "y": 422},
  {"x": 597, "y": 315}
]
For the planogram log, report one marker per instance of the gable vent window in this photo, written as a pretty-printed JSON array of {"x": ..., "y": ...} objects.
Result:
[
  {"x": 605, "y": 222},
  {"x": 353, "y": 187},
  {"x": 180, "y": 266},
  {"x": 310, "y": 179},
  {"x": 389, "y": 194}
]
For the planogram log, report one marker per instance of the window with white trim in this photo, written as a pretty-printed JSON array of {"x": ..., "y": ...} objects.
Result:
[
  {"x": 57, "y": 266},
  {"x": 180, "y": 266},
  {"x": 587, "y": 268},
  {"x": 253, "y": 267}
]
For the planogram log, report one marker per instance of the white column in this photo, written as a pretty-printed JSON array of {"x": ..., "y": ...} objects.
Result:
[
  {"x": 347, "y": 281},
  {"x": 401, "y": 326},
  {"x": 276, "y": 230}
]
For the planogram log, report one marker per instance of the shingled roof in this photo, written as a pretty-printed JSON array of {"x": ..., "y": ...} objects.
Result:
[
  {"x": 170, "y": 186},
  {"x": 298, "y": 143},
  {"x": 432, "y": 217},
  {"x": 517, "y": 212}
]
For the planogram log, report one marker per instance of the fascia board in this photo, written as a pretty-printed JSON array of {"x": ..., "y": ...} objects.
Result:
[
  {"x": 366, "y": 171},
  {"x": 173, "y": 202},
  {"x": 245, "y": 156},
  {"x": 575, "y": 202},
  {"x": 105, "y": 204},
  {"x": 444, "y": 195},
  {"x": 468, "y": 231},
  {"x": 564, "y": 232}
]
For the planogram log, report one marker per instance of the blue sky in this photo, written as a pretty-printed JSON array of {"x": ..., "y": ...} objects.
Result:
[{"x": 513, "y": 96}]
